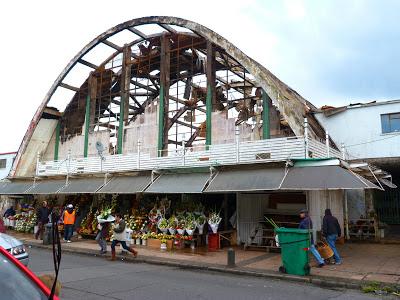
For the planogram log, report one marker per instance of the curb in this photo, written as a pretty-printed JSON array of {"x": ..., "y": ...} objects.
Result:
[{"x": 322, "y": 281}]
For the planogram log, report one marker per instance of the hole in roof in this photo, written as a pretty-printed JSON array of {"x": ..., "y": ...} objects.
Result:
[
  {"x": 77, "y": 75},
  {"x": 99, "y": 54},
  {"x": 180, "y": 29},
  {"x": 149, "y": 29},
  {"x": 123, "y": 37},
  {"x": 61, "y": 98}
]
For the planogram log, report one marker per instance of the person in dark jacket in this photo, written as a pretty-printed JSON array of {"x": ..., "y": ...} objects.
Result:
[
  {"x": 102, "y": 235},
  {"x": 119, "y": 237},
  {"x": 42, "y": 219},
  {"x": 9, "y": 212},
  {"x": 306, "y": 223},
  {"x": 331, "y": 231}
]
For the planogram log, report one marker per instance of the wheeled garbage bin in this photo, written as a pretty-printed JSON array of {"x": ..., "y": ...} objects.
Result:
[
  {"x": 294, "y": 244},
  {"x": 48, "y": 234}
]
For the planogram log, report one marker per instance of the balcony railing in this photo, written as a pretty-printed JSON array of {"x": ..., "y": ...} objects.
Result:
[{"x": 279, "y": 149}]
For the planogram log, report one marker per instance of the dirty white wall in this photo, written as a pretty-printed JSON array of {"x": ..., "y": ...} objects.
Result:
[
  {"x": 145, "y": 129},
  {"x": 223, "y": 129},
  {"x": 38, "y": 143},
  {"x": 318, "y": 201},
  {"x": 365, "y": 125},
  {"x": 356, "y": 204}
]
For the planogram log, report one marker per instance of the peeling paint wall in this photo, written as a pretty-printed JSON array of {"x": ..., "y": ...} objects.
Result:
[
  {"x": 38, "y": 143},
  {"x": 145, "y": 129}
]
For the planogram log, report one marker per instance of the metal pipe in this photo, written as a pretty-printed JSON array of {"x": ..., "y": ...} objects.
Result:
[
  {"x": 138, "y": 154},
  {"x": 327, "y": 144},
  {"x": 346, "y": 215},
  {"x": 57, "y": 143},
  {"x": 237, "y": 135},
  {"x": 343, "y": 150},
  {"x": 306, "y": 137},
  {"x": 183, "y": 153},
  {"x": 87, "y": 121}
]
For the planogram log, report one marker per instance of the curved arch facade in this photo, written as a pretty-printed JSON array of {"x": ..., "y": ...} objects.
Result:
[{"x": 198, "y": 51}]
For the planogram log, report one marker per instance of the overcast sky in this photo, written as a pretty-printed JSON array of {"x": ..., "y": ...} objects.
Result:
[{"x": 331, "y": 52}]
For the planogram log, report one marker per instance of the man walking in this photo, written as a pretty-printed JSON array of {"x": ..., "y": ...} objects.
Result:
[
  {"x": 102, "y": 235},
  {"x": 119, "y": 237},
  {"x": 306, "y": 223},
  {"x": 42, "y": 219},
  {"x": 331, "y": 231},
  {"x": 69, "y": 221}
]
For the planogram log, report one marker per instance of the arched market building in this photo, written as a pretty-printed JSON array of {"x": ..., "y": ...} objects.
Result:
[{"x": 164, "y": 112}]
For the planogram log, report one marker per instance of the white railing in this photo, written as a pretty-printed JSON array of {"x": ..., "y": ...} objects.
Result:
[
  {"x": 278, "y": 149},
  {"x": 320, "y": 150}
]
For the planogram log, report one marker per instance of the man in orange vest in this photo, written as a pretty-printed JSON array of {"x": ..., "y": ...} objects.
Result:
[{"x": 69, "y": 221}]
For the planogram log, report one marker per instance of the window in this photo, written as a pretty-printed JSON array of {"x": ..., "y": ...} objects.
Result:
[
  {"x": 390, "y": 122},
  {"x": 3, "y": 163}
]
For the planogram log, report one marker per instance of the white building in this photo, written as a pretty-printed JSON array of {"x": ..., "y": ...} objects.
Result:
[
  {"x": 370, "y": 132},
  {"x": 6, "y": 161}
]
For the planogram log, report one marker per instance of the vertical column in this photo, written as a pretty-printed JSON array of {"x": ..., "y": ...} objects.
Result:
[
  {"x": 87, "y": 121},
  {"x": 124, "y": 92},
  {"x": 90, "y": 111},
  {"x": 164, "y": 95},
  {"x": 265, "y": 115},
  {"x": 57, "y": 142},
  {"x": 211, "y": 96}
]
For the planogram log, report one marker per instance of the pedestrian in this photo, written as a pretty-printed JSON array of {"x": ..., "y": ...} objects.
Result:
[
  {"x": 331, "y": 231},
  {"x": 69, "y": 221},
  {"x": 42, "y": 219},
  {"x": 8, "y": 216},
  {"x": 102, "y": 235},
  {"x": 119, "y": 237},
  {"x": 306, "y": 223}
]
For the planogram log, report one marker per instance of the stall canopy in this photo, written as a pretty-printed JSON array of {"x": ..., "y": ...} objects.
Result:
[
  {"x": 179, "y": 183},
  {"x": 324, "y": 178},
  {"x": 82, "y": 186},
  {"x": 238, "y": 180},
  {"x": 125, "y": 185},
  {"x": 50, "y": 186},
  {"x": 15, "y": 187}
]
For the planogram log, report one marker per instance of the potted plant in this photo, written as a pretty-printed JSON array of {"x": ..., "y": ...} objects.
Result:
[
  {"x": 163, "y": 225},
  {"x": 137, "y": 240},
  {"x": 163, "y": 244},
  {"x": 214, "y": 219},
  {"x": 144, "y": 239}
]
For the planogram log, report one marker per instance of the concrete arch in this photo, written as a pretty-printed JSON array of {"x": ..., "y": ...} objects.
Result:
[{"x": 292, "y": 106}]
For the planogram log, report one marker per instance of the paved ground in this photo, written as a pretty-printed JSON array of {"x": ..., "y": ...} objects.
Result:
[
  {"x": 361, "y": 262},
  {"x": 85, "y": 277}
]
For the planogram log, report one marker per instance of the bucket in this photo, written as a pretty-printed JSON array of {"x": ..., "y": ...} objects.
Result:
[
  {"x": 213, "y": 241},
  {"x": 324, "y": 250}
]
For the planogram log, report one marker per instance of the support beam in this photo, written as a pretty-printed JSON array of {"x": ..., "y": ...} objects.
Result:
[
  {"x": 124, "y": 106},
  {"x": 164, "y": 95},
  {"x": 211, "y": 95},
  {"x": 177, "y": 115},
  {"x": 138, "y": 32},
  {"x": 57, "y": 142},
  {"x": 265, "y": 115},
  {"x": 87, "y": 64},
  {"x": 112, "y": 45},
  {"x": 87, "y": 117},
  {"x": 93, "y": 100},
  {"x": 69, "y": 87}
]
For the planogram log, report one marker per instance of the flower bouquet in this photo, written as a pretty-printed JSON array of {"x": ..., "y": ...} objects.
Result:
[
  {"x": 214, "y": 219},
  {"x": 105, "y": 216},
  {"x": 172, "y": 223},
  {"x": 190, "y": 224},
  {"x": 180, "y": 228},
  {"x": 163, "y": 225},
  {"x": 200, "y": 222}
]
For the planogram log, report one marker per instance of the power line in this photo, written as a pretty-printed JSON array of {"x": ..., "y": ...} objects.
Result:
[{"x": 373, "y": 141}]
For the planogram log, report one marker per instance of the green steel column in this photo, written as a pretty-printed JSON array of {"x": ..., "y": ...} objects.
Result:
[
  {"x": 87, "y": 125},
  {"x": 208, "y": 116},
  {"x": 161, "y": 122},
  {"x": 121, "y": 126},
  {"x": 265, "y": 115},
  {"x": 57, "y": 140}
]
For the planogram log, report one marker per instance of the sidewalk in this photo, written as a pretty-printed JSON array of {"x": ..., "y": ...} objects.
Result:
[{"x": 362, "y": 263}]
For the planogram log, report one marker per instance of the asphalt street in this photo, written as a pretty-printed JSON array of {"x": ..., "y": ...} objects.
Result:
[{"x": 85, "y": 277}]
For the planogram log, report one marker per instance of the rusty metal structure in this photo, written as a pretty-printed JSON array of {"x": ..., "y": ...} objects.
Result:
[{"x": 179, "y": 70}]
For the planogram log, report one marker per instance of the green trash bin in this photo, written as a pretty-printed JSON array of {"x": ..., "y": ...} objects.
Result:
[{"x": 294, "y": 250}]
